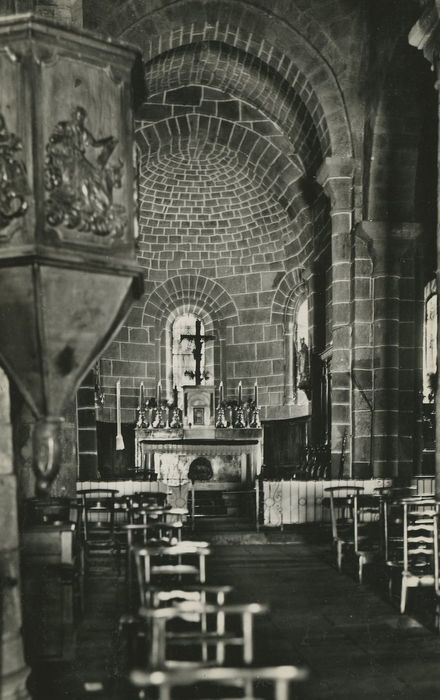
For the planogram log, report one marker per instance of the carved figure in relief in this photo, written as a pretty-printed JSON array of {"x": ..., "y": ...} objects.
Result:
[
  {"x": 13, "y": 181},
  {"x": 80, "y": 180}
]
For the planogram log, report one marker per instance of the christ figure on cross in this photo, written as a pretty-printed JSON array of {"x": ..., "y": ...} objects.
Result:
[{"x": 198, "y": 339}]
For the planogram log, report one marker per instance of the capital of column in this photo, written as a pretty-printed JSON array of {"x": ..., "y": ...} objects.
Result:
[
  {"x": 425, "y": 34},
  {"x": 336, "y": 178}
]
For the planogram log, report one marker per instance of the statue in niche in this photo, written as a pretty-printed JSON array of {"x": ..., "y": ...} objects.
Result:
[{"x": 304, "y": 368}]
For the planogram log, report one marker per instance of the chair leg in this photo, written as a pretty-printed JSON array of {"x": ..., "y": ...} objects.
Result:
[
  {"x": 403, "y": 596},
  {"x": 339, "y": 546},
  {"x": 361, "y": 569},
  {"x": 390, "y": 584}
]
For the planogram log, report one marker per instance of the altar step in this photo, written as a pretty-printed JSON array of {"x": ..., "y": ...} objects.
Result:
[
  {"x": 222, "y": 503},
  {"x": 233, "y": 530}
]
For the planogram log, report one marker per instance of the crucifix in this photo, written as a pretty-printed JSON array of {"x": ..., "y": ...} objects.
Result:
[{"x": 198, "y": 339}]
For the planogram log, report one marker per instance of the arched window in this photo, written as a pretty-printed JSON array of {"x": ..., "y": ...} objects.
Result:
[{"x": 182, "y": 350}]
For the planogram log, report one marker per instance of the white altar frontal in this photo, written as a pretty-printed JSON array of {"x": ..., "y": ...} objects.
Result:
[{"x": 175, "y": 444}]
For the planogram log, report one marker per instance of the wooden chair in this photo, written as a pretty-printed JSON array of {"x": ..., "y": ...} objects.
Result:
[
  {"x": 140, "y": 534},
  {"x": 205, "y": 627},
  {"x": 169, "y": 684},
  {"x": 157, "y": 597},
  {"x": 368, "y": 530},
  {"x": 420, "y": 567},
  {"x": 341, "y": 512},
  {"x": 393, "y": 519},
  {"x": 98, "y": 507},
  {"x": 154, "y": 564}
]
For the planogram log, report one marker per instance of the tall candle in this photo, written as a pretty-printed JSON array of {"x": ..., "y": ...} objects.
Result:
[
  {"x": 119, "y": 438},
  {"x": 256, "y": 393},
  {"x": 141, "y": 395},
  {"x": 239, "y": 392},
  {"x": 159, "y": 392},
  {"x": 221, "y": 392}
]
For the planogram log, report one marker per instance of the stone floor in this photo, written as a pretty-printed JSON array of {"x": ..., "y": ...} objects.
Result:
[{"x": 351, "y": 637}]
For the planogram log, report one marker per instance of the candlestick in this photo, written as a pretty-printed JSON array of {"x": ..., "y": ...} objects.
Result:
[
  {"x": 159, "y": 392},
  {"x": 141, "y": 395},
  {"x": 256, "y": 393},
  {"x": 239, "y": 393},
  {"x": 221, "y": 393}
]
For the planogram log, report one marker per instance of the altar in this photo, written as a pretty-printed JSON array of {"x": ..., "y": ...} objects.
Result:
[{"x": 198, "y": 443}]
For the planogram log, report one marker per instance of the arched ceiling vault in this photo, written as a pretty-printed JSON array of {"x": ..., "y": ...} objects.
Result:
[{"x": 233, "y": 101}]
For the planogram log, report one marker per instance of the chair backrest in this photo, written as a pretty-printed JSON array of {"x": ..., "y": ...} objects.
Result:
[
  {"x": 98, "y": 508},
  {"x": 227, "y": 624},
  {"x": 148, "y": 571},
  {"x": 341, "y": 499},
  {"x": 200, "y": 593},
  {"x": 418, "y": 536},
  {"x": 367, "y": 511},
  {"x": 280, "y": 677}
]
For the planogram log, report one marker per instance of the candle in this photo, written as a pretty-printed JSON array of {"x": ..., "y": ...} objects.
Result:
[
  {"x": 221, "y": 392},
  {"x": 256, "y": 393},
  {"x": 239, "y": 392},
  {"x": 119, "y": 438},
  {"x": 141, "y": 396},
  {"x": 159, "y": 392}
]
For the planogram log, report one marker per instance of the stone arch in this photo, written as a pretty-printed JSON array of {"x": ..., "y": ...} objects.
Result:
[
  {"x": 183, "y": 290},
  {"x": 287, "y": 50},
  {"x": 244, "y": 77}
]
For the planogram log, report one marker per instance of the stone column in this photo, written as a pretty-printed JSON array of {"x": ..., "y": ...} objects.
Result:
[
  {"x": 336, "y": 178},
  {"x": 13, "y": 671},
  {"x": 395, "y": 361}
]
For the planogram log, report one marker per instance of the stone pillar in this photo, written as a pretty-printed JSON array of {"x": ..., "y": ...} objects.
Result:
[
  {"x": 395, "y": 361},
  {"x": 336, "y": 178},
  {"x": 13, "y": 671}
]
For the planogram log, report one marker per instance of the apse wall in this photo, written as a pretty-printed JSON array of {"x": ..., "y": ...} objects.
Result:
[{"x": 219, "y": 200}]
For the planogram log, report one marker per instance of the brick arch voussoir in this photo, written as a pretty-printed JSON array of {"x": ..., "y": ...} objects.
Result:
[
  {"x": 187, "y": 289},
  {"x": 285, "y": 301},
  {"x": 161, "y": 28}
]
